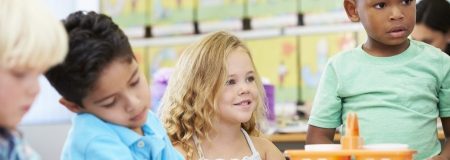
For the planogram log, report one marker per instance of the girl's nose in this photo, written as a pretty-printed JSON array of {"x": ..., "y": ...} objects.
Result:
[{"x": 244, "y": 89}]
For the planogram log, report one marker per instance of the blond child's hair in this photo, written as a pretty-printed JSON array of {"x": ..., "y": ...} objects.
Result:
[
  {"x": 30, "y": 36},
  {"x": 190, "y": 101}
]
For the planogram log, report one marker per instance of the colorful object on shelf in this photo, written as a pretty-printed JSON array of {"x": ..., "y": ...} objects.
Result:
[
  {"x": 270, "y": 101},
  {"x": 158, "y": 86},
  {"x": 314, "y": 52},
  {"x": 352, "y": 148},
  {"x": 276, "y": 59}
]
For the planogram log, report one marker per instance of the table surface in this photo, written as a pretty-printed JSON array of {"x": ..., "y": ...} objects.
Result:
[{"x": 301, "y": 137}]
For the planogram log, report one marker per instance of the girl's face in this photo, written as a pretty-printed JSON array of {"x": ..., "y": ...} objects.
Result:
[
  {"x": 18, "y": 89},
  {"x": 238, "y": 98},
  {"x": 425, "y": 34}
]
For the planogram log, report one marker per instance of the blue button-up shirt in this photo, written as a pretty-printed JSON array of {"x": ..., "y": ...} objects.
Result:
[{"x": 92, "y": 138}]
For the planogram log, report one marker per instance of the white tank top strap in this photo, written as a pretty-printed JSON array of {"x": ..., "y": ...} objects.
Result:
[
  {"x": 255, "y": 155},
  {"x": 249, "y": 141}
]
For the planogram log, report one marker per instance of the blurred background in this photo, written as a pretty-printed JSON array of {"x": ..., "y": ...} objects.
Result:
[{"x": 290, "y": 40}]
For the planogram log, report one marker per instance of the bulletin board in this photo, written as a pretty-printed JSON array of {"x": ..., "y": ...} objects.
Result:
[
  {"x": 163, "y": 57},
  {"x": 127, "y": 13},
  {"x": 276, "y": 60},
  {"x": 162, "y": 60},
  {"x": 271, "y": 8},
  {"x": 315, "y": 51},
  {"x": 220, "y": 10},
  {"x": 141, "y": 57},
  {"x": 167, "y": 12},
  {"x": 320, "y": 6}
]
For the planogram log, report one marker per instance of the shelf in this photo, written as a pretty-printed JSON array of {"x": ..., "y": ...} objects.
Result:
[{"x": 252, "y": 34}]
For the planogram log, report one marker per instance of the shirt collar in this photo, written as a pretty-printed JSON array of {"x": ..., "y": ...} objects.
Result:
[{"x": 128, "y": 136}]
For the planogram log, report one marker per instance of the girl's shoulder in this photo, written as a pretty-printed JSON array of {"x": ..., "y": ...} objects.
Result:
[
  {"x": 260, "y": 140},
  {"x": 266, "y": 148},
  {"x": 262, "y": 143}
]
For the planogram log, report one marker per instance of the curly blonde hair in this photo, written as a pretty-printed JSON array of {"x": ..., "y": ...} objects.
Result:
[{"x": 189, "y": 103}]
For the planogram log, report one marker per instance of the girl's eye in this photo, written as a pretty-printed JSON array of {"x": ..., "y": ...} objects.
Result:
[
  {"x": 250, "y": 79},
  {"x": 230, "y": 82},
  {"x": 379, "y": 5}
]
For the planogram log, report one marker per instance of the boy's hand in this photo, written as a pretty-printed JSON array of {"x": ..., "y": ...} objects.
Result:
[{"x": 437, "y": 157}]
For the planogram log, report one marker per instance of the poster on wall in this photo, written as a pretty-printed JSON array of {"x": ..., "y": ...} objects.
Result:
[
  {"x": 163, "y": 57},
  {"x": 315, "y": 50},
  {"x": 319, "y": 12},
  {"x": 167, "y": 12},
  {"x": 171, "y": 17},
  {"x": 276, "y": 61},
  {"x": 259, "y": 8},
  {"x": 320, "y": 6},
  {"x": 220, "y": 10},
  {"x": 281, "y": 13},
  {"x": 216, "y": 15},
  {"x": 161, "y": 60},
  {"x": 126, "y": 13},
  {"x": 140, "y": 54}
]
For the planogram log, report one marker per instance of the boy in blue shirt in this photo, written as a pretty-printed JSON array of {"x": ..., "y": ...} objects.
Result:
[
  {"x": 398, "y": 87},
  {"x": 101, "y": 82}
]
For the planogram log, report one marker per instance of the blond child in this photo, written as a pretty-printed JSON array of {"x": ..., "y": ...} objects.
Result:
[
  {"x": 214, "y": 102},
  {"x": 31, "y": 40},
  {"x": 398, "y": 87}
]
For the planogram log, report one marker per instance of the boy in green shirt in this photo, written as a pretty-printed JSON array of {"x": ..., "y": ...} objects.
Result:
[{"x": 398, "y": 87}]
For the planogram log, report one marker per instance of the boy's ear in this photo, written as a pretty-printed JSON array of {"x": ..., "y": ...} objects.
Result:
[
  {"x": 70, "y": 105},
  {"x": 350, "y": 9}
]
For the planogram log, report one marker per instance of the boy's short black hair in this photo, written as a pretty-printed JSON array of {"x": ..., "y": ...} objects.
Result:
[{"x": 95, "y": 41}]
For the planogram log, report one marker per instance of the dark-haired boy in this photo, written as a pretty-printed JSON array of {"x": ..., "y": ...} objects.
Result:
[{"x": 101, "y": 82}]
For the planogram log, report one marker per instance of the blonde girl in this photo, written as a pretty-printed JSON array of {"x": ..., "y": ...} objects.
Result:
[{"x": 214, "y": 102}]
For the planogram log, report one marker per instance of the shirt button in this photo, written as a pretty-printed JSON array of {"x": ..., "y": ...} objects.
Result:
[{"x": 141, "y": 144}]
